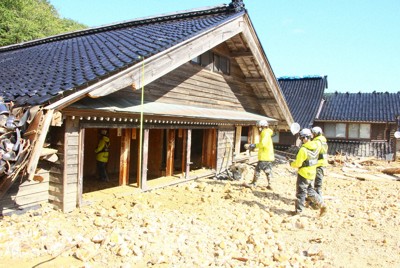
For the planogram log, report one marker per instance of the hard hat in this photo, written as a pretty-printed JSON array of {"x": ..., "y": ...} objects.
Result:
[
  {"x": 305, "y": 133},
  {"x": 262, "y": 123},
  {"x": 316, "y": 130}
]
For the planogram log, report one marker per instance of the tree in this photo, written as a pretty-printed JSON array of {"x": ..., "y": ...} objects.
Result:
[{"x": 25, "y": 20}]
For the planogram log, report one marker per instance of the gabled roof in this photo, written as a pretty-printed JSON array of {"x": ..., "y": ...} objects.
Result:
[
  {"x": 360, "y": 107},
  {"x": 303, "y": 96},
  {"x": 40, "y": 71},
  {"x": 57, "y": 71}
]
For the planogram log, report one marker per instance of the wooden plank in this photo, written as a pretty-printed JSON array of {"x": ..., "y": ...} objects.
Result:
[
  {"x": 170, "y": 152},
  {"x": 125, "y": 157},
  {"x": 32, "y": 164}
]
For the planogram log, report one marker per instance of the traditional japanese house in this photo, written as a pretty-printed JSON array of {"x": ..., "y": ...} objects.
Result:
[
  {"x": 179, "y": 93},
  {"x": 361, "y": 124}
]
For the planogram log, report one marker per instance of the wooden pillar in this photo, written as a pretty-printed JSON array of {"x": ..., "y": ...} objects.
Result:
[
  {"x": 184, "y": 142},
  {"x": 170, "y": 152},
  {"x": 238, "y": 138},
  {"x": 143, "y": 178},
  {"x": 188, "y": 149},
  {"x": 125, "y": 157},
  {"x": 81, "y": 151}
]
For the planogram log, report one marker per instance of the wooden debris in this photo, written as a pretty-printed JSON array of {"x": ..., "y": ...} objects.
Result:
[
  {"x": 47, "y": 151},
  {"x": 391, "y": 171}
]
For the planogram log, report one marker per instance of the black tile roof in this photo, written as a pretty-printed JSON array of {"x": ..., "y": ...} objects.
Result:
[
  {"x": 303, "y": 96},
  {"x": 361, "y": 107},
  {"x": 47, "y": 69}
]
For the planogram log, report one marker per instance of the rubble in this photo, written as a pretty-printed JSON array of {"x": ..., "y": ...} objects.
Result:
[{"x": 194, "y": 225}]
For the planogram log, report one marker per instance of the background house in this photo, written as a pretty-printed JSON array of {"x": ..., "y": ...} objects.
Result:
[{"x": 360, "y": 124}]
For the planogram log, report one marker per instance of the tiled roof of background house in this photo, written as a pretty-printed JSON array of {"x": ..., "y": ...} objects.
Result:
[
  {"x": 303, "y": 96},
  {"x": 364, "y": 107},
  {"x": 47, "y": 69}
]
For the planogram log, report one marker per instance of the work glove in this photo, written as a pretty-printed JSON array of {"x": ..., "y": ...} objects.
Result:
[{"x": 250, "y": 147}]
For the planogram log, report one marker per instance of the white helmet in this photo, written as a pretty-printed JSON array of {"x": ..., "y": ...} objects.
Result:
[
  {"x": 316, "y": 130},
  {"x": 305, "y": 133},
  {"x": 262, "y": 123}
]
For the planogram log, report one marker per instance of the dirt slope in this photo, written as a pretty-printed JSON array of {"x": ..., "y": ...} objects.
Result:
[{"x": 218, "y": 223}]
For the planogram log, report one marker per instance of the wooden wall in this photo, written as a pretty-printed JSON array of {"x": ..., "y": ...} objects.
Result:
[
  {"x": 56, "y": 170},
  {"x": 25, "y": 195},
  {"x": 191, "y": 84},
  {"x": 225, "y": 147}
]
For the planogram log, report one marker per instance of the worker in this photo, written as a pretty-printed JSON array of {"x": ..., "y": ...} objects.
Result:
[
  {"x": 265, "y": 153},
  {"x": 322, "y": 158},
  {"x": 102, "y": 155},
  {"x": 306, "y": 162}
]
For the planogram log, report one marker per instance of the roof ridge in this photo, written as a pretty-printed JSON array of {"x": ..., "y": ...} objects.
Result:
[
  {"x": 301, "y": 77},
  {"x": 234, "y": 6}
]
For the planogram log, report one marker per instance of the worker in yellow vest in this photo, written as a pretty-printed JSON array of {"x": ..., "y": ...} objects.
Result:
[
  {"x": 265, "y": 153},
  {"x": 306, "y": 162},
  {"x": 102, "y": 155},
  {"x": 322, "y": 158}
]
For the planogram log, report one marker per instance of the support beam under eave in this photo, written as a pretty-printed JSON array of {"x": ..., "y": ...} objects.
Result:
[
  {"x": 125, "y": 157},
  {"x": 143, "y": 177},
  {"x": 188, "y": 149}
]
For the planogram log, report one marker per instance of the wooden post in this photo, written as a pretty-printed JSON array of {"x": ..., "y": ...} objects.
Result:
[
  {"x": 188, "y": 149},
  {"x": 184, "y": 142},
  {"x": 81, "y": 150},
  {"x": 170, "y": 152},
  {"x": 143, "y": 181},
  {"x": 238, "y": 140},
  {"x": 125, "y": 157}
]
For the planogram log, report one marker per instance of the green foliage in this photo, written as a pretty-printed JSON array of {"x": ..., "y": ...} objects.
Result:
[{"x": 25, "y": 20}]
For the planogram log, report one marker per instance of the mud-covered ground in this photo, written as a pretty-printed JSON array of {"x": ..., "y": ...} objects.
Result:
[{"x": 217, "y": 223}]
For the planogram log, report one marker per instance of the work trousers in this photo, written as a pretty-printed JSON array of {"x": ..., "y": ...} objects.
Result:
[
  {"x": 265, "y": 166},
  {"x": 102, "y": 170},
  {"x": 318, "y": 180},
  {"x": 305, "y": 188}
]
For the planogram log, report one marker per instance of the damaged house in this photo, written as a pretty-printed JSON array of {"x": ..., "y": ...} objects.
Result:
[
  {"x": 178, "y": 93},
  {"x": 361, "y": 124}
]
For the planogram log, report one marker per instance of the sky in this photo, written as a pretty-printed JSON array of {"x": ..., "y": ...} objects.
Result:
[{"x": 356, "y": 43}]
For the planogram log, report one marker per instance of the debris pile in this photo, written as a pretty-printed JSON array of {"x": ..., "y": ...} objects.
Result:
[{"x": 14, "y": 146}]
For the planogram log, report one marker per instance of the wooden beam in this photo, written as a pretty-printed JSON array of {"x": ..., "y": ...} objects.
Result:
[
  {"x": 170, "y": 152},
  {"x": 37, "y": 149},
  {"x": 125, "y": 157},
  {"x": 143, "y": 181},
  {"x": 267, "y": 101},
  {"x": 255, "y": 80},
  {"x": 188, "y": 149},
  {"x": 241, "y": 54},
  {"x": 168, "y": 60}
]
